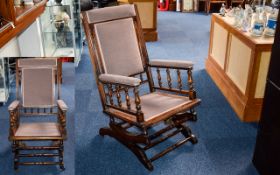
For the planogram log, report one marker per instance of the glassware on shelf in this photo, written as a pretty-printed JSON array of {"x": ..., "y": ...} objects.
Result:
[
  {"x": 258, "y": 24},
  {"x": 61, "y": 29},
  {"x": 18, "y": 3},
  {"x": 223, "y": 10},
  {"x": 271, "y": 23},
  {"x": 28, "y": 2}
]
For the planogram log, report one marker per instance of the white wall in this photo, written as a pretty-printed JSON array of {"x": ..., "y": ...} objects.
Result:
[
  {"x": 11, "y": 49},
  {"x": 30, "y": 41}
]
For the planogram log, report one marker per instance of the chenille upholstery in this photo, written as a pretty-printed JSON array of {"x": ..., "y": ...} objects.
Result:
[
  {"x": 158, "y": 106},
  {"x": 171, "y": 63},
  {"x": 110, "y": 13},
  {"x": 38, "y": 87},
  {"x": 44, "y": 129},
  {"x": 38, "y": 62},
  {"x": 116, "y": 57},
  {"x": 119, "y": 79}
]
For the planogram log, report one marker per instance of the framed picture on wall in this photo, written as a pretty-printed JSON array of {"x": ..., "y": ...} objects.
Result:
[{"x": 187, "y": 5}]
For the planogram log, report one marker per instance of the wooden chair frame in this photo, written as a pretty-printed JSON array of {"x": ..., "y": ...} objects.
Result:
[
  {"x": 144, "y": 139},
  {"x": 17, "y": 111}
]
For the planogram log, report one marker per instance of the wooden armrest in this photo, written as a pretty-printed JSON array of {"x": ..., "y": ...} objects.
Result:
[
  {"x": 61, "y": 104},
  {"x": 14, "y": 105},
  {"x": 119, "y": 79},
  {"x": 171, "y": 63}
]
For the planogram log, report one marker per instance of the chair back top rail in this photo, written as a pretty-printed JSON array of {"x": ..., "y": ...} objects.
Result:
[
  {"x": 38, "y": 82},
  {"x": 110, "y": 13}
]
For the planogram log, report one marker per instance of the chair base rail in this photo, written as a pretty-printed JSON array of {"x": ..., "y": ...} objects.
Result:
[
  {"x": 38, "y": 155},
  {"x": 57, "y": 151},
  {"x": 38, "y": 163},
  {"x": 139, "y": 143}
]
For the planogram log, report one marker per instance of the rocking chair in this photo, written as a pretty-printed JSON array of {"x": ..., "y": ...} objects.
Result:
[
  {"x": 36, "y": 93},
  {"x": 120, "y": 60}
]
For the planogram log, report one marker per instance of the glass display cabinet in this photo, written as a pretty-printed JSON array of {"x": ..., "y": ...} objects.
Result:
[
  {"x": 4, "y": 80},
  {"x": 61, "y": 29}
]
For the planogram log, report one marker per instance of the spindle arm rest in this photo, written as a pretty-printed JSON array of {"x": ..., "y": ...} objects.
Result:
[
  {"x": 174, "y": 64},
  {"x": 14, "y": 117},
  {"x": 119, "y": 79},
  {"x": 179, "y": 66},
  {"x": 14, "y": 105},
  {"x": 62, "y": 105},
  {"x": 62, "y": 109},
  {"x": 117, "y": 85}
]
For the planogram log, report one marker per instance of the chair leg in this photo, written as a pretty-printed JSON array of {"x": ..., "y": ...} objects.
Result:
[
  {"x": 16, "y": 153},
  {"x": 179, "y": 124},
  {"x": 188, "y": 133},
  {"x": 122, "y": 138},
  {"x": 194, "y": 114},
  {"x": 61, "y": 152}
]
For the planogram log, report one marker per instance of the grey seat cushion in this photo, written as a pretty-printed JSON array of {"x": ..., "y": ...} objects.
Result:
[
  {"x": 157, "y": 106},
  {"x": 46, "y": 129}
]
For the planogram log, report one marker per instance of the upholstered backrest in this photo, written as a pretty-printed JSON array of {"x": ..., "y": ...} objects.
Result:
[
  {"x": 38, "y": 62},
  {"x": 38, "y": 87},
  {"x": 118, "y": 51}
]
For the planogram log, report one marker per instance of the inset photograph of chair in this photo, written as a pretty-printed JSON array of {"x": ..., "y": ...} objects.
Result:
[{"x": 40, "y": 117}]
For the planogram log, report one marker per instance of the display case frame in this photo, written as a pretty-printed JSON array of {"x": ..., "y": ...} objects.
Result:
[
  {"x": 62, "y": 38},
  {"x": 4, "y": 80}
]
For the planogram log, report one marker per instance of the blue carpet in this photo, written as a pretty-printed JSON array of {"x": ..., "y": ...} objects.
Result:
[
  {"x": 6, "y": 156},
  {"x": 225, "y": 145}
]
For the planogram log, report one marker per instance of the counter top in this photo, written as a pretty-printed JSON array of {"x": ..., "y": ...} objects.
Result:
[{"x": 262, "y": 40}]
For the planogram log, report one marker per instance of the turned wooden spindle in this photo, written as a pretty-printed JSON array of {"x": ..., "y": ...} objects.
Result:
[
  {"x": 192, "y": 93},
  {"x": 159, "y": 77},
  {"x": 118, "y": 96},
  {"x": 127, "y": 98},
  {"x": 138, "y": 105},
  {"x": 141, "y": 77},
  {"x": 62, "y": 120},
  {"x": 180, "y": 85},
  {"x": 169, "y": 78},
  {"x": 110, "y": 92},
  {"x": 13, "y": 122}
]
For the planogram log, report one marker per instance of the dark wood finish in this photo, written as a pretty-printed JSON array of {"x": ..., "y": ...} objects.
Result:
[
  {"x": 208, "y": 4},
  {"x": 120, "y": 114},
  {"x": 20, "y": 17},
  {"x": 228, "y": 3},
  {"x": 19, "y": 142}
]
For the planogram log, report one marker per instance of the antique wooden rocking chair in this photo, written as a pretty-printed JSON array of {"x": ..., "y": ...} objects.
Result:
[
  {"x": 120, "y": 60},
  {"x": 36, "y": 92}
]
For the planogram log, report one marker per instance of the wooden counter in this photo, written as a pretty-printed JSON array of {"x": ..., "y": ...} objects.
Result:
[
  {"x": 238, "y": 64},
  {"x": 148, "y": 16},
  {"x": 20, "y": 17}
]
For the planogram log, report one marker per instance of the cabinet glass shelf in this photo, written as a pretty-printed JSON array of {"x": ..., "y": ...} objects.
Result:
[
  {"x": 4, "y": 80},
  {"x": 60, "y": 29}
]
